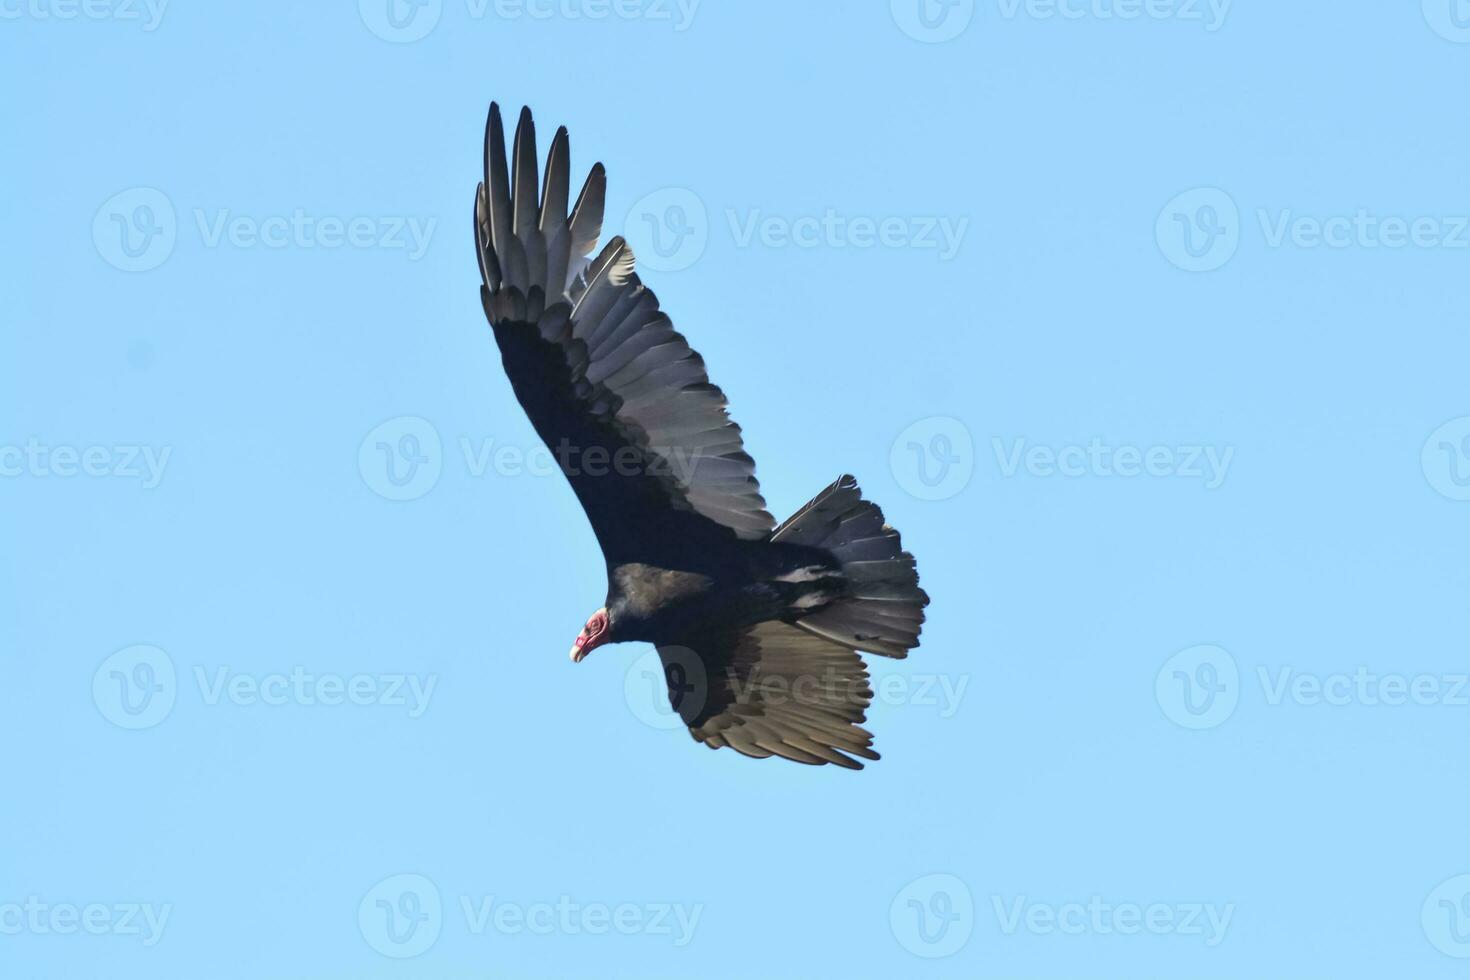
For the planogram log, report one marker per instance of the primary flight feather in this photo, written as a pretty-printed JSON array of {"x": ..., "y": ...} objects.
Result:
[{"x": 757, "y": 626}]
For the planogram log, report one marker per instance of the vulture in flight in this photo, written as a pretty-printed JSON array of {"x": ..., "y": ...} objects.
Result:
[{"x": 758, "y": 625}]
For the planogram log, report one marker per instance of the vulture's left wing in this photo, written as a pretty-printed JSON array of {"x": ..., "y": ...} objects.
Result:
[
  {"x": 613, "y": 390},
  {"x": 772, "y": 689}
]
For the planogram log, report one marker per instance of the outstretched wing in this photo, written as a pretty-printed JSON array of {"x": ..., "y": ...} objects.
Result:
[
  {"x": 613, "y": 390},
  {"x": 772, "y": 689}
]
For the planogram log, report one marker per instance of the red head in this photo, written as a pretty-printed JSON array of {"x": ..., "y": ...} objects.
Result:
[{"x": 593, "y": 635}]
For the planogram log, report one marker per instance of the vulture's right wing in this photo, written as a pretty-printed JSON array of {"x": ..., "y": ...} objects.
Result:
[
  {"x": 613, "y": 390},
  {"x": 772, "y": 689}
]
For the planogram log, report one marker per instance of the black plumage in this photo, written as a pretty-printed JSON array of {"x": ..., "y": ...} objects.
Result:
[{"x": 757, "y": 625}]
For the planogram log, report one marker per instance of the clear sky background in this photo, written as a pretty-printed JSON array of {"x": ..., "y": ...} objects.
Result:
[{"x": 1145, "y": 323}]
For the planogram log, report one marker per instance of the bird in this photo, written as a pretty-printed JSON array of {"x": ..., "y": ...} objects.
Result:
[{"x": 759, "y": 627}]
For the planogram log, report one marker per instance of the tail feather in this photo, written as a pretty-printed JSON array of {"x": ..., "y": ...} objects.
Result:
[{"x": 884, "y": 610}]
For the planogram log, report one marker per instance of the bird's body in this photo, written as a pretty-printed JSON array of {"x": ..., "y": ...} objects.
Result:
[
  {"x": 756, "y": 582},
  {"x": 757, "y": 625}
]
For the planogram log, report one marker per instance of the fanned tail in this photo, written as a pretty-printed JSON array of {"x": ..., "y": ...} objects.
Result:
[{"x": 884, "y": 610}]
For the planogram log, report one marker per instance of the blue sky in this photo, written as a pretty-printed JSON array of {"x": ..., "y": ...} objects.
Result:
[{"x": 1145, "y": 322}]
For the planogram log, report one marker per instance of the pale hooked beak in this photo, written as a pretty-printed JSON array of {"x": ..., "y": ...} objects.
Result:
[
  {"x": 592, "y": 635},
  {"x": 581, "y": 648}
]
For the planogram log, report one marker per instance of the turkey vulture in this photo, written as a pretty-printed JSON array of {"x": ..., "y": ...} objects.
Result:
[{"x": 757, "y": 625}]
